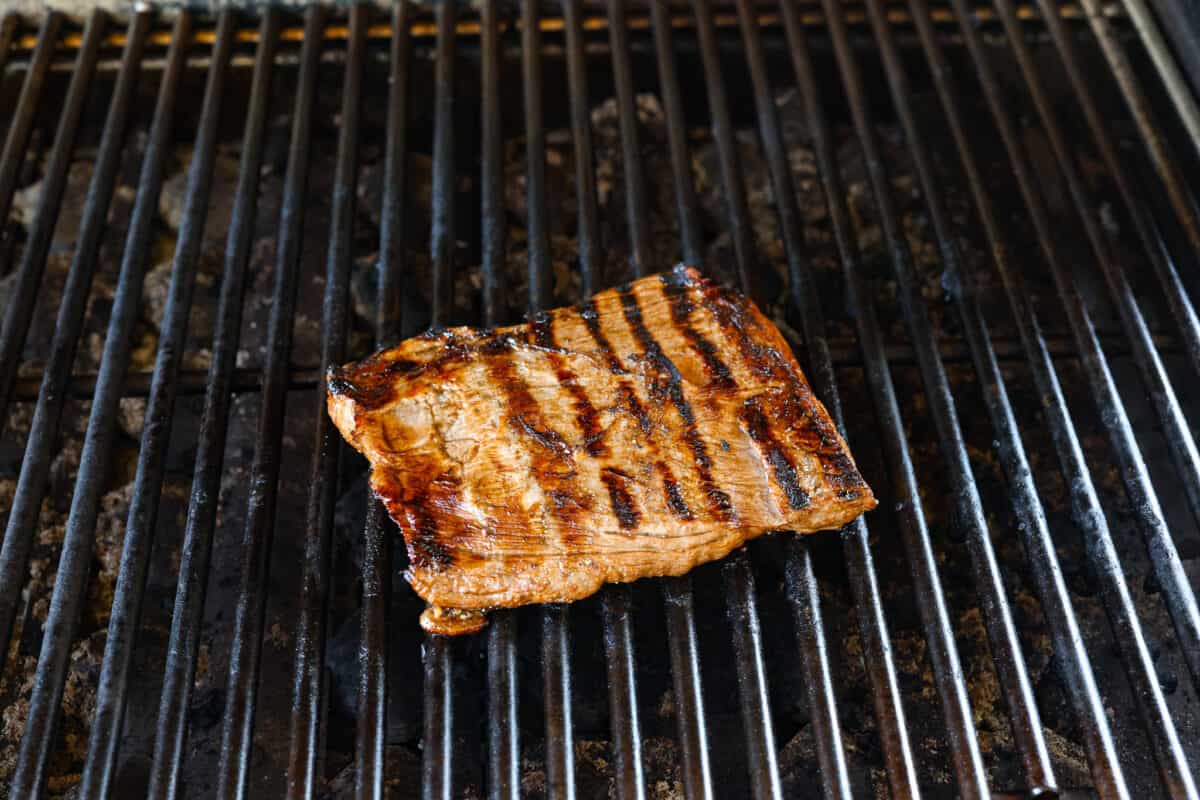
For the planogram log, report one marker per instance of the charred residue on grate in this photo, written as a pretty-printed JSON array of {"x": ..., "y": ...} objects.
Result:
[{"x": 657, "y": 705}]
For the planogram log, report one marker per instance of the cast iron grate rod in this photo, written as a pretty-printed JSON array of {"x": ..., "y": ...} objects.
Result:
[
  {"x": 1176, "y": 294},
  {"x": 237, "y": 732},
  {"x": 196, "y": 549},
  {"x": 1085, "y": 504},
  {"x": 1168, "y": 569},
  {"x": 12, "y": 157},
  {"x": 677, "y": 591},
  {"x": 1164, "y": 61},
  {"x": 8, "y": 35},
  {"x": 617, "y": 601},
  {"x": 306, "y": 751},
  {"x": 22, "y": 297},
  {"x": 1032, "y": 525},
  {"x": 877, "y": 656},
  {"x": 38, "y": 456},
  {"x": 1157, "y": 147},
  {"x": 738, "y": 577},
  {"x": 931, "y": 605},
  {"x": 504, "y": 738},
  {"x": 803, "y": 590},
  {"x": 993, "y": 600},
  {"x": 70, "y": 583},
  {"x": 379, "y": 532},
  {"x": 438, "y": 762},
  {"x": 556, "y": 644},
  {"x": 104, "y": 744},
  {"x": 1175, "y": 427}
]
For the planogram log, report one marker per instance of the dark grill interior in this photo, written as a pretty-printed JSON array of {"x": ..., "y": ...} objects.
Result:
[{"x": 980, "y": 238}]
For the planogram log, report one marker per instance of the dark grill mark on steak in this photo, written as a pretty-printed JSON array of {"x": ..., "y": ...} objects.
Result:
[
  {"x": 722, "y": 506},
  {"x": 629, "y": 399},
  {"x": 785, "y": 472},
  {"x": 551, "y": 459},
  {"x": 542, "y": 330},
  {"x": 623, "y": 504},
  {"x": 734, "y": 317},
  {"x": 680, "y": 300},
  {"x": 591, "y": 319},
  {"x": 675, "y": 501},
  {"x": 425, "y": 551}
]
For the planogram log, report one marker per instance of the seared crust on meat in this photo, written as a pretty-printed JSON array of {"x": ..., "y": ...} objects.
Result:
[{"x": 655, "y": 427}]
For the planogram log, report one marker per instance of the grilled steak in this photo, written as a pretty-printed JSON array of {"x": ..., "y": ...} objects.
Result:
[{"x": 653, "y": 428}]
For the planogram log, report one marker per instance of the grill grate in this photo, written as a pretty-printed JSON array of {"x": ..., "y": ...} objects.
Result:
[{"x": 893, "y": 147}]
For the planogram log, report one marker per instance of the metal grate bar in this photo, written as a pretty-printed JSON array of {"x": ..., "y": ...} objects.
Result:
[
  {"x": 803, "y": 591},
  {"x": 581, "y": 138},
  {"x": 66, "y": 603},
  {"x": 178, "y": 674},
  {"x": 635, "y": 182},
  {"x": 1035, "y": 533},
  {"x": 540, "y": 280},
  {"x": 881, "y": 667},
  {"x": 378, "y": 531},
  {"x": 668, "y": 81},
  {"x": 492, "y": 163},
  {"x": 1002, "y": 636},
  {"x": 1168, "y": 568},
  {"x": 856, "y": 539},
  {"x": 1177, "y": 297},
  {"x": 237, "y": 732},
  {"x": 504, "y": 743},
  {"x": 622, "y": 691},
  {"x": 306, "y": 753},
  {"x": 438, "y": 762},
  {"x": 1085, "y": 503},
  {"x": 12, "y": 157},
  {"x": 556, "y": 646},
  {"x": 104, "y": 745},
  {"x": 617, "y": 600},
  {"x": 33, "y": 260},
  {"x": 1176, "y": 430},
  {"x": 442, "y": 241},
  {"x": 943, "y": 654},
  {"x": 556, "y": 674},
  {"x": 677, "y": 591},
  {"x": 1156, "y": 144},
  {"x": 1180, "y": 25},
  {"x": 437, "y": 744},
  {"x": 1176, "y": 85},
  {"x": 22, "y": 296},
  {"x": 738, "y": 577},
  {"x": 35, "y": 465},
  {"x": 735, "y": 202},
  {"x": 8, "y": 35}
]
